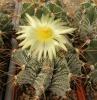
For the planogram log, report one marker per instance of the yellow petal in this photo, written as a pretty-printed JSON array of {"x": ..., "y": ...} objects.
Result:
[
  {"x": 22, "y": 43},
  {"x": 21, "y": 36},
  {"x": 63, "y": 46},
  {"x": 53, "y": 51},
  {"x": 45, "y": 53},
  {"x": 27, "y": 44},
  {"x": 40, "y": 54},
  {"x": 69, "y": 30},
  {"x": 50, "y": 54},
  {"x": 31, "y": 20}
]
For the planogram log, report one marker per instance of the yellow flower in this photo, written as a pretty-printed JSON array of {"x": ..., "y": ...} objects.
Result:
[{"x": 43, "y": 36}]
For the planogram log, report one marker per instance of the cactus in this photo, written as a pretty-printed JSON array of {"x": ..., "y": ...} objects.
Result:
[
  {"x": 63, "y": 73},
  {"x": 54, "y": 79}
]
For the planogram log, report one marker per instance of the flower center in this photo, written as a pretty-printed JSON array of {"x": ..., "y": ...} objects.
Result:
[{"x": 44, "y": 33}]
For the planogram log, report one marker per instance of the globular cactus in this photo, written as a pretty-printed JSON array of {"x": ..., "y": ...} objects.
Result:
[
  {"x": 49, "y": 7},
  {"x": 85, "y": 19}
]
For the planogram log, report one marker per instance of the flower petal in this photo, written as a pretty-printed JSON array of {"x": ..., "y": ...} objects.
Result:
[{"x": 69, "y": 30}]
